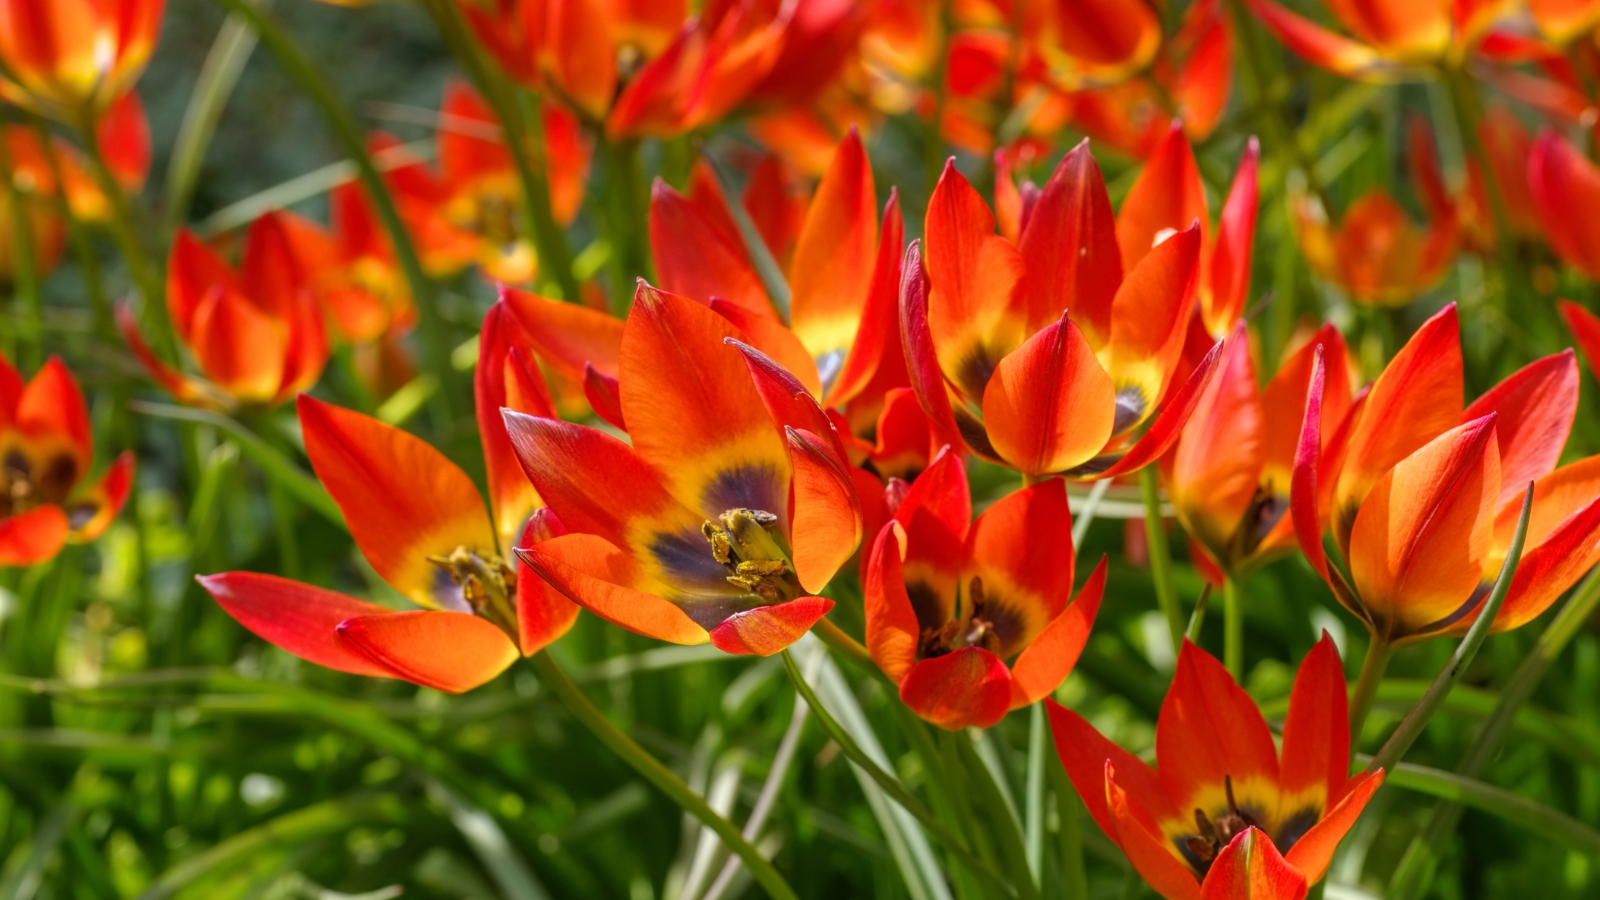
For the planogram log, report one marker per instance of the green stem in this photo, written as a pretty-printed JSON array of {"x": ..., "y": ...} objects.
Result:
[
  {"x": 849, "y": 647},
  {"x": 25, "y": 280},
  {"x": 1536, "y": 817},
  {"x": 1160, "y": 555},
  {"x": 146, "y": 274},
  {"x": 663, "y": 778},
  {"x": 1411, "y": 726},
  {"x": 346, "y": 131},
  {"x": 625, "y": 218},
  {"x": 1233, "y": 633},
  {"x": 1033, "y": 803},
  {"x": 889, "y": 783},
  {"x": 234, "y": 43},
  {"x": 1378, "y": 652},
  {"x": 1069, "y": 810},
  {"x": 1417, "y": 866},
  {"x": 1197, "y": 617}
]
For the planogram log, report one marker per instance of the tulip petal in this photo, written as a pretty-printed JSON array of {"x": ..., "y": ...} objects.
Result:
[
  {"x": 876, "y": 361},
  {"x": 833, "y": 267},
  {"x": 34, "y": 536},
  {"x": 300, "y": 618},
  {"x": 1165, "y": 199},
  {"x": 193, "y": 269},
  {"x": 1210, "y": 731},
  {"x": 969, "y": 687},
  {"x": 1020, "y": 549},
  {"x": 693, "y": 413},
  {"x": 1321, "y": 47},
  {"x": 544, "y": 614},
  {"x": 497, "y": 375},
  {"x": 825, "y": 528},
  {"x": 1251, "y": 868},
  {"x": 1585, "y": 328},
  {"x": 1420, "y": 539},
  {"x": 936, "y": 513},
  {"x": 1312, "y": 853},
  {"x": 1048, "y": 659},
  {"x": 403, "y": 500},
  {"x": 1316, "y": 736},
  {"x": 766, "y": 630},
  {"x": 1148, "y": 850},
  {"x": 1147, "y": 326},
  {"x": 191, "y": 391},
  {"x": 447, "y": 651},
  {"x": 778, "y": 344},
  {"x": 893, "y": 631},
  {"x": 1070, "y": 249},
  {"x": 90, "y": 511},
  {"x": 1223, "y": 297},
  {"x": 1049, "y": 405},
  {"x": 238, "y": 346},
  {"x": 921, "y": 355},
  {"x": 695, "y": 258},
  {"x": 904, "y": 437},
  {"x": 1216, "y": 467},
  {"x": 51, "y": 410},
  {"x": 976, "y": 310},
  {"x": 1564, "y": 184},
  {"x": 1535, "y": 407},
  {"x": 1085, "y": 754},
  {"x": 604, "y": 394},
  {"x": 596, "y": 575},
  {"x": 568, "y": 336},
  {"x": 1163, "y": 432},
  {"x": 1283, "y": 404}
]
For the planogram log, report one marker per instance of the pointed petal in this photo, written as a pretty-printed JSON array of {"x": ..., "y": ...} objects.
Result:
[
  {"x": 1148, "y": 850},
  {"x": 90, "y": 511},
  {"x": 832, "y": 272},
  {"x": 1585, "y": 328},
  {"x": 1070, "y": 248},
  {"x": 604, "y": 394},
  {"x": 922, "y": 360},
  {"x": 1021, "y": 549},
  {"x": 184, "y": 389},
  {"x": 1209, "y": 731},
  {"x": 1049, "y": 658},
  {"x": 1147, "y": 325},
  {"x": 825, "y": 528},
  {"x": 1216, "y": 468},
  {"x": 1283, "y": 403},
  {"x": 544, "y": 614},
  {"x": 1535, "y": 408},
  {"x": 1421, "y": 537},
  {"x": 966, "y": 688},
  {"x": 696, "y": 258},
  {"x": 876, "y": 361},
  {"x": 1250, "y": 868},
  {"x": 1162, "y": 433},
  {"x": 193, "y": 269},
  {"x": 769, "y": 337},
  {"x": 976, "y": 310},
  {"x": 1312, "y": 853},
  {"x": 300, "y": 618},
  {"x": 935, "y": 513},
  {"x": 1165, "y": 199},
  {"x": 892, "y": 628},
  {"x": 1108, "y": 37},
  {"x": 568, "y": 336},
  {"x": 904, "y": 437},
  {"x": 596, "y": 575},
  {"x": 447, "y": 651},
  {"x": 497, "y": 375},
  {"x": 51, "y": 409},
  {"x": 1305, "y": 491},
  {"x": 402, "y": 499},
  {"x": 1049, "y": 406},
  {"x": 1564, "y": 185},
  {"x": 766, "y": 630},
  {"x": 1316, "y": 735},
  {"x": 693, "y": 413},
  {"x": 1223, "y": 298},
  {"x": 34, "y": 536},
  {"x": 1085, "y": 754},
  {"x": 1321, "y": 47}
]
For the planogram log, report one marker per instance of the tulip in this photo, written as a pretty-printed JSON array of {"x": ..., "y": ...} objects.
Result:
[
  {"x": 71, "y": 59},
  {"x": 1225, "y": 812},
  {"x": 47, "y": 498},
  {"x": 949, "y": 599},
  {"x": 1422, "y": 497},
  {"x": 729, "y": 512},
  {"x": 1228, "y": 476},
  {"x": 1563, "y": 184},
  {"x": 1064, "y": 356},
  {"x": 1507, "y": 147},
  {"x": 256, "y": 334},
  {"x": 124, "y": 137},
  {"x": 1388, "y": 42},
  {"x": 420, "y": 521},
  {"x": 1376, "y": 253}
]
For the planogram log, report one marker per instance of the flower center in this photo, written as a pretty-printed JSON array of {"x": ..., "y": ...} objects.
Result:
[
  {"x": 487, "y": 584},
  {"x": 746, "y": 543},
  {"x": 1216, "y": 834},
  {"x": 976, "y": 628},
  {"x": 24, "y": 486}
]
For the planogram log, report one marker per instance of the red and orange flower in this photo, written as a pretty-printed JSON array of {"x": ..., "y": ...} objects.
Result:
[
  {"x": 47, "y": 498},
  {"x": 1388, "y": 42},
  {"x": 1422, "y": 497},
  {"x": 421, "y": 523},
  {"x": 71, "y": 59},
  {"x": 950, "y": 599},
  {"x": 1376, "y": 253},
  {"x": 730, "y": 511},
  {"x": 1225, "y": 813}
]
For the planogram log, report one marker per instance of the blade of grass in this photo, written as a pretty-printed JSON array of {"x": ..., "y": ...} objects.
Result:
[
  {"x": 479, "y": 829},
  {"x": 231, "y": 50}
]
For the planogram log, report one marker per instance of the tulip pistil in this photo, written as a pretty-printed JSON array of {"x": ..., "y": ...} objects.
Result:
[
  {"x": 744, "y": 541},
  {"x": 974, "y": 629},
  {"x": 1216, "y": 834},
  {"x": 487, "y": 584}
]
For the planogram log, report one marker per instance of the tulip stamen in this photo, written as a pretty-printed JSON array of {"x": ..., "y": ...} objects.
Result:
[
  {"x": 975, "y": 629},
  {"x": 24, "y": 486},
  {"x": 487, "y": 584},
  {"x": 1213, "y": 835},
  {"x": 744, "y": 542}
]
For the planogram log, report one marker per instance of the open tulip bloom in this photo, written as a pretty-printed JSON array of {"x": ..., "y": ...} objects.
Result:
[
  {"x": 1422, "y": 497},
  {"x": 1048, "y": 353},
  {"x": 1226, "y": 813},
  {"x": 421, "y": 523},
  {"x": 731, "y": 509},
  {"x": 950, "y": 599},
  {"x": 46, "y": 495}
]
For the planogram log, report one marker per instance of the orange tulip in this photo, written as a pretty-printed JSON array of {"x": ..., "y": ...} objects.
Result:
[
  {"x": 731, "y": 509},
  {"x": 71, "y": 59},
  {"x": 949, "y": 599},
  {"x": 256, "y": 334},
  {"x": 46, "y": 496},
  {"x": 420, "y": 521},
  {"x": 1039, "y": 354},
  {"x": 1422, "y": 497},
  {"x": 1563, "y": 183},
  {"x": 469, "y": 210},
  {"x": 1229, "y": 475},
  {"x": 1507, "y": 147},
  {"x": 1376, "y": 254},
  {"x": 1226, "y": 813},
  {"x": 1389, "y": 41}
]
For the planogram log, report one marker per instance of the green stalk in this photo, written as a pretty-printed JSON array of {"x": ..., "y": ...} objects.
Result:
[
  {"x": 1378, "y": 653},
  {"x": 346, "y": 131},
  {"x": 1233, "y": 633},
  {"x": 1033, "y": 803},
  {"x": 1160, "y": 555},
  {"x": 146, "y": 274},
  {"x": 1536, "y": 817},
  {"x": 234, "y": 43},
  {"x": 1069, "y": 810},
  {"x": 1417, "y": 866},
  {"x": 663, "y": 778},
  {"x": 25, "y": 280},
  {"x": 625, "y": 218},
  {"x": 1197, "y": 617},
  {"x": 890, "y": 784},
  {"x": 1411, "y": 726}
]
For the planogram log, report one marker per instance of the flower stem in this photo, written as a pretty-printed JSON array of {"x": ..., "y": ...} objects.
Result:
[
  {"x": 219, "y": 75},
  {"x": 656, "y": 773},
  {"x": 1378, "y": 653},
  {"x": 1160, "y": 555},
  {"x": 625, "y": 217},
  {"x": 1233, "y": 633}
]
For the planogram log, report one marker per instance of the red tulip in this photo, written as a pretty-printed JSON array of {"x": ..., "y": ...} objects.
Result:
[
  {"x": 71, "y": 59},
  {"x": 1388, "y": 41}
]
